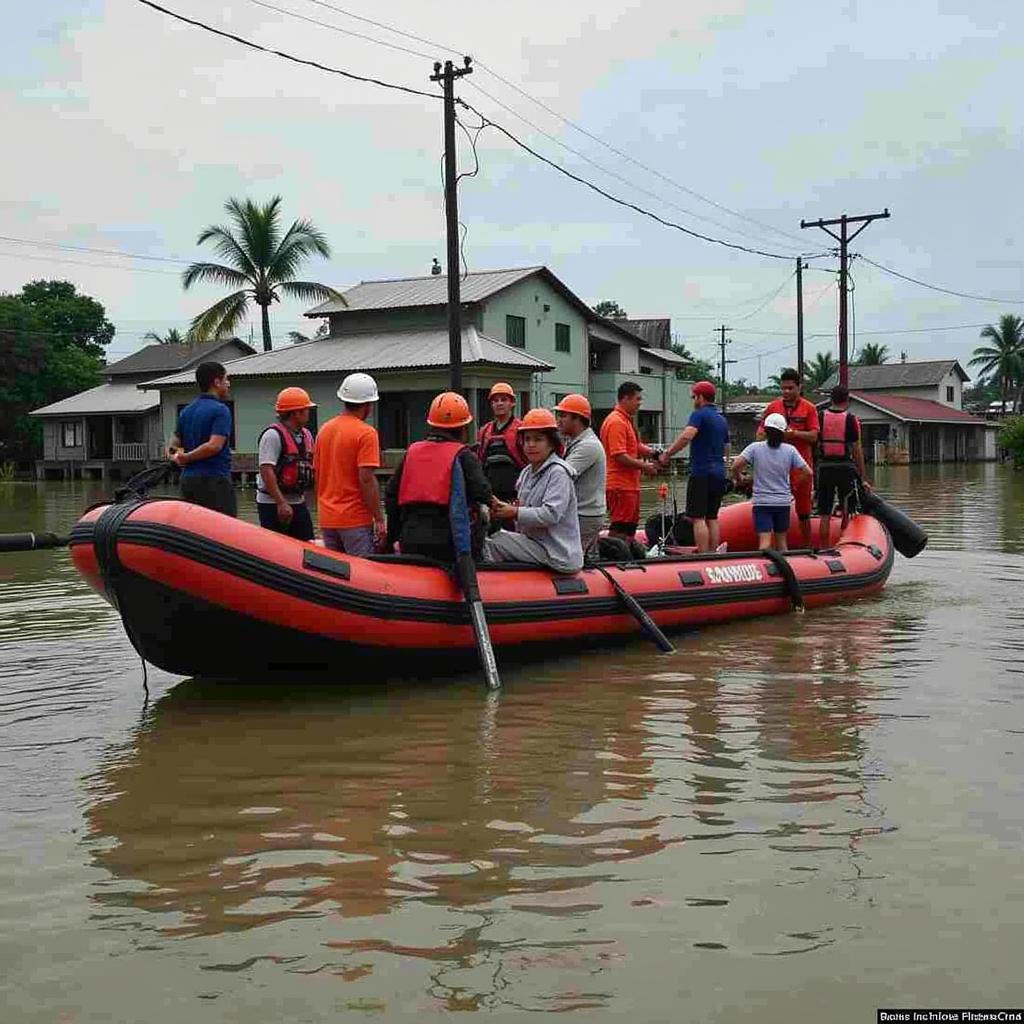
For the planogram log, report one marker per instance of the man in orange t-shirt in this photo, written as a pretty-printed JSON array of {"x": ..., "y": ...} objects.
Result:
[
  {"x": 622, "y": 445},
  {"x": 802, "y": 433},
  {"x": 346, "y": 454}
]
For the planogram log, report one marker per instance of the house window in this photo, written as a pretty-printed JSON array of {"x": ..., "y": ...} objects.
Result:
[
  {"x": 71, "y": 433},
  {"x": 524, "y": 402},
  {"x": 562, "y": 338},
  {"x": 646, "y": 369},
  {"x": 515, "y": 331},
  {"x": 949, "y": 393}
]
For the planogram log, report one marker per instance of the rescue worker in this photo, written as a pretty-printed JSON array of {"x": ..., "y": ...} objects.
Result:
[
  {"x": 499, "y": 446},
  {"x": 547, "y": 526},
  {"x": 708, "y": 431},
  {"x": 286, "y": 467},
  {"x": 418, "y": 495},
  {"x": 585, "y": 453},
  {"x": 346, "y": 455},
  {"x": 802, "y": 428},
  {"x": 840, "y": 463},
  {"x": 622, "y": 447}
]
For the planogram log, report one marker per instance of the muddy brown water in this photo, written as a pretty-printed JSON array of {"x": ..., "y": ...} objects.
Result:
[{"x": 789, "y": 819}]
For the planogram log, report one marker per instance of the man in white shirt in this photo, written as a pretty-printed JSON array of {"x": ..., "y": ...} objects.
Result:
[{"x": 585, "y": 453}]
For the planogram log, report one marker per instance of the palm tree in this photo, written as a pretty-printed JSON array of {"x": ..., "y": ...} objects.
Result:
[
  {"x": 298, "y": 338},
  {"x": 872, "y": 354},
  {"x": 261, "y": 266},
  {"x": 1003, "y": 360},
  {"x": 172, "y": 337},
  {"x": 818, "y": 370}
]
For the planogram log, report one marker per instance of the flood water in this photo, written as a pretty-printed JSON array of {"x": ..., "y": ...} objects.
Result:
[{"x": 794, "y": 819}]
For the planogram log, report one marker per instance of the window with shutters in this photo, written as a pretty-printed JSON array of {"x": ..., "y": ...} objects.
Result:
[
  {"x": 949, "y": 393},
  {"x": 71, "y": 433},
  {"x": 562, "y": 338},
  {"x": 515, "y": 331}
]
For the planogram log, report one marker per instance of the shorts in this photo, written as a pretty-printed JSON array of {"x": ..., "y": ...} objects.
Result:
[
  {"x": 837, "y": 485},
  {"x": 216, "y": 492},
  {"x": 771, "y": 518},
  {"x": 704, "y": 496},
  {"x": 358, "y": 540},
  {"x": 801, "y": 487},
  {"x": 300, "y": 527},
  {"x": 623, "y": 511}
]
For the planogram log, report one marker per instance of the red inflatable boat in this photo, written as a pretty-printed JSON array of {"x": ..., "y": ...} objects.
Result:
[{"x": 202, "y": 594}]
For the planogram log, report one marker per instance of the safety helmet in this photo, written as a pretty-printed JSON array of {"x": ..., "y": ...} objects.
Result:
[
  {"x": 293, "y": 399},
  {"x": 577, "y": 404},
  {"x": 776, "y": 421},
  {"x": 358, "y": 388},
  {"x": 538, "y": 419},
  {"x": 501, "y": 388},
  {"x": 449, "y": 411},
  {"x": 705, "y": 389}
]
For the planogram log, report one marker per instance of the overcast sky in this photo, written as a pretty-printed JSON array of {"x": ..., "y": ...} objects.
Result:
[{"x": 125, "y": 130}]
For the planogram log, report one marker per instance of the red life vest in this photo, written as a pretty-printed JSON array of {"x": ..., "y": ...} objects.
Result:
[
  {"x": 496, "y": 447},
  {"x": 834, "y": 445},
  {"x": 427, "y": 473},
  {"x": 294, "y": 468}
]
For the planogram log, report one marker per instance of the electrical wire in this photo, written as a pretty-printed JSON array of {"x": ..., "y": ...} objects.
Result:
[
  {"x": 84, "y": 263},
  {"x": 286, "y": 56},
  {"x": 86, "y": 248},
  {"x": 937, "y": 288},
  {"x": 607, "y": 195}
]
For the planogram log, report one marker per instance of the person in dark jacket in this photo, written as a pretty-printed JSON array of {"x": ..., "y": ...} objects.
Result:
[{"x": 418, "y": 495}]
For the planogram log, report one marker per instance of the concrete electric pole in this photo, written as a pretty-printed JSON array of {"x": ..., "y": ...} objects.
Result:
[
  {"x": 446, "y": 75},
  {"x": 844, "y": 238}
]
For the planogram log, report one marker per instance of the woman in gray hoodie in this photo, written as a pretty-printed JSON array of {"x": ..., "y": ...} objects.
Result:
[{"x": 546, "y": 521}]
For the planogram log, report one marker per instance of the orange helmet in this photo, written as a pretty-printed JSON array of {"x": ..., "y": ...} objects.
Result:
[
  {"x": 538, "y": 419},
  {"x": 449, "y": 411},
  {"x": 576, "y": 404},
  {"x": 501, "y": 388},
  {"x": 293, "y": 399}
]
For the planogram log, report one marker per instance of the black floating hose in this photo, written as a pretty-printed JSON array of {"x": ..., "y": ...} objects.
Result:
[{"x": 789, "y": 580}]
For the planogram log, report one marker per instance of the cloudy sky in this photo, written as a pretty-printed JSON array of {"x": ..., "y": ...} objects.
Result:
[{"x": 124, "y": 130}]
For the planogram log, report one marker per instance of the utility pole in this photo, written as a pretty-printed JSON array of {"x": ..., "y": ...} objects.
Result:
[
  {"x": 447, "y": 74},
  {"x": 800, "y": 266},
  {"x": 723, "y": 341},
  {"x": 844, "y": 238}
]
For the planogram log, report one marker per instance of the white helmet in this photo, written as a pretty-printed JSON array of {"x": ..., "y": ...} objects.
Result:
[
  {"x": 358, "y": 388},
  {"x": 777, "y": 421}
]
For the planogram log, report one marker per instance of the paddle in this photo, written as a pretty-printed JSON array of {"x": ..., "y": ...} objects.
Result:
[
  {"x": 31, "y": 541},
  {"x": 458, "y": 512},
  {"x": 647, "y": 624}
]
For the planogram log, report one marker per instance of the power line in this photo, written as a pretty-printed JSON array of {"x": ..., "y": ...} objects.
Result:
[
  {"x": 286, "y": 56},
  {"x": 937, "y": 288},
  {"x": 607, "y": 195},
  {"x": 554, "y": 113},
  {"x": 86, "y": 248},
  {"x": 84, "y": 263}
]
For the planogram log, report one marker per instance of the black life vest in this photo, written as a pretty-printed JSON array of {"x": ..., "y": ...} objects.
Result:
[{"x": 294, "y": 468}]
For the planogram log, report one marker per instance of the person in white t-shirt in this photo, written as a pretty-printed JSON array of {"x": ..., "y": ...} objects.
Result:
[{"x": 772, "y": 461}]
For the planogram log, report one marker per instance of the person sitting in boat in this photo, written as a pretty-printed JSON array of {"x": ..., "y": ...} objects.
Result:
[
  {"x": 499, "y": 446},
  {"x": 585, "y": 453},
  {"x": 545, "y": 512},
  {"x": 286, "y": 467},
  {"x": 418, "y": 497},
  {"x": 775, "y": 464},
  {"x": 841, "y": 468}
]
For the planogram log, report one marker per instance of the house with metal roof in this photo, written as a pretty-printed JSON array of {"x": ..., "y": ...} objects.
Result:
[
  {"x": 936, "y": 380},
  {"x": 114, "y": 428}
]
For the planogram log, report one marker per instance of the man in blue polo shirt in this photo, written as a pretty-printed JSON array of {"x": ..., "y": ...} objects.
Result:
[
  {"x": 200, "y": 443},
  {"x": 707, "y": 433}
]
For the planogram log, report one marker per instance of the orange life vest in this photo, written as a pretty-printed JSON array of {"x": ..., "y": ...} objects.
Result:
[
  {"x": 294, "y": 468},
  {"x": 427, "y": 473}
]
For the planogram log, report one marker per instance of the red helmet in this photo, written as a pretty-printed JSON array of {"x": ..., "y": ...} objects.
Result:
[{"x": 705, "y": 389}]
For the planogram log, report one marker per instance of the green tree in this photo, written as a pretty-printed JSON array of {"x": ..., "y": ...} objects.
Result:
[
  {"x": 51, "y": 342},
  {"x": 818, "y": 370},
  {"x": 1003, "y": 360},
  {"x": 872, "y": 354},
  {"x": 1011, "y": 437},
  {"x": 610, "y": 308},
  {"x": 172, "y": 337},
  {"x": 298, "y": 338},
  {"x": 261, "y": 266}
]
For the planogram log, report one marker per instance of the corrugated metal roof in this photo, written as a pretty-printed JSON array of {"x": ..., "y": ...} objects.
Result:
[
  {"x": 157, "y": 358},
  {"x": 898, "y": 375},
  {"x": 421, "y": 291},
  {"x": 915, "y": 410},
  {"x": 666, "y": 355},
  {"x": 656, "y": 331},
  {"x": 107, "y": 398},
  {"x": 383, "y": 350}
]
